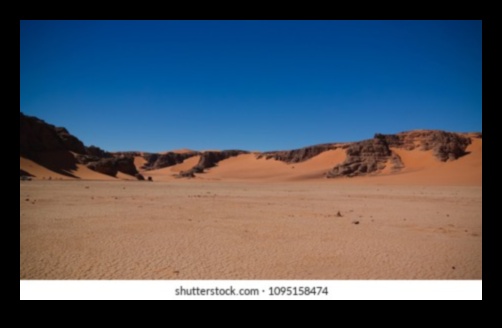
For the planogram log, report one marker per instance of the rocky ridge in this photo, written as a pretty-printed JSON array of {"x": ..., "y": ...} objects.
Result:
[{"x": 45, "y": 144}]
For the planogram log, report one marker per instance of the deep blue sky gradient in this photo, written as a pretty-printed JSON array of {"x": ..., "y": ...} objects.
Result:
[{"x": 255, "y": 85}]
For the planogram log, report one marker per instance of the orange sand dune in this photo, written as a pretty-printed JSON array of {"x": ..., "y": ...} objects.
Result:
[
  {"x": 85, "y": 173},
  {"x": 317, "y": 166},
  {"x": 166, "y": 173},
  {"x": 81, "y": 172},
  {"x": 248, "y": 167},
  {"x": 139, "y": 161},
  {"x": 39, "y": 171}
]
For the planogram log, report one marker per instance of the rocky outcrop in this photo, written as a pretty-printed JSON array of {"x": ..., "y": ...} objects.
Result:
[
  {"x": 56, "y": 149},
  {"x": 366, "y": 157},
  {"x": 158, "y": 161},
  {"x": 97, "y": 152},
  {"x": 36, "y": 136},
  {"x": 298, "y": 155},
  {"x": 375, "y": 154},
  {"x": 70, "y": 142},
  {"x": 110, "y": 166},
  {"x": 444, "y": 145},
  {"x": 127, "y": 153},
  {"x": 92, "y": 154}
]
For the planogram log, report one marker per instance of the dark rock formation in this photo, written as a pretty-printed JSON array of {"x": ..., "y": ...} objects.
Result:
[
  {"x": 372, "y": 155},
  {"x": 158, "y": 161},
  {"x": 139, "y": 177},
  {"x": 126, "y": 153},
  {"x": 97, "y": 152},
  {"x": 70, "y": 142},
  {"x": 150, "y": 179},
  {"x": 35, "y": 136},
  {"x": 365, "y": 157},
  {"x": 110, "y": 166},
  {"x": 298, "y": 155},
  {"x": 444, "y": 145},
  {"x": 92, "y": 154}
]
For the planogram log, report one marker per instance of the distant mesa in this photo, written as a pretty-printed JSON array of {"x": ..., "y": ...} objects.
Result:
[{"x": 56, "y": 150}]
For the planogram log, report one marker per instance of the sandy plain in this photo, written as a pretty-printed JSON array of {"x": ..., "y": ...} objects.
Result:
[{"x": 236, "y": 230}]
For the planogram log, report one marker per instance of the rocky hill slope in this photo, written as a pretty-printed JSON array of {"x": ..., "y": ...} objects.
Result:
[{"x": 56, "y": 149}]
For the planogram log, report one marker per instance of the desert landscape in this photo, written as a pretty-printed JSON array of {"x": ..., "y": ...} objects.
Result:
[{"x": 397, "y": 206}]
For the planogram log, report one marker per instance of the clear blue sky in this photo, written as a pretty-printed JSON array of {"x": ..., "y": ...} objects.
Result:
[{"x": 254, "y": 85}]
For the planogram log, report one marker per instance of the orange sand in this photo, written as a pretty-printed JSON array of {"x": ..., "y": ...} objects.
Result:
[{"x": 195, "y": 229}]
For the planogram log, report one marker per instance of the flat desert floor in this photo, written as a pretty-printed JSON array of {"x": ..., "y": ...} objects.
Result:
[{"x": 248, "y": 230}]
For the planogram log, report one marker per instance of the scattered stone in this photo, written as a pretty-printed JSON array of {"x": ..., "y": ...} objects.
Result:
[
  {"x": 339, "y": 214},
  {"x": 186, "y": 174},
  {"x": 150, "y": 179},
  {"x": 139, "y": 177},
  {"x": 453, "y": 267},
  {"x": 355, "y": 222}
]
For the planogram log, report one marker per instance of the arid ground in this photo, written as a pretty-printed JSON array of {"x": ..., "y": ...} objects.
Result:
[{"x": 219, "y": 230}]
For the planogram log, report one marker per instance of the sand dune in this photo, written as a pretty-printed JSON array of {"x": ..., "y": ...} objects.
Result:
[
  {"x": 166, "y": 173},
  {"x": 39, "y": 171},
  {"x": 80, "y": 172},
  {"x": 249, "y": 167},
  {"x": 422, "y": 168},
  {"x": 139, "y": 161}
]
